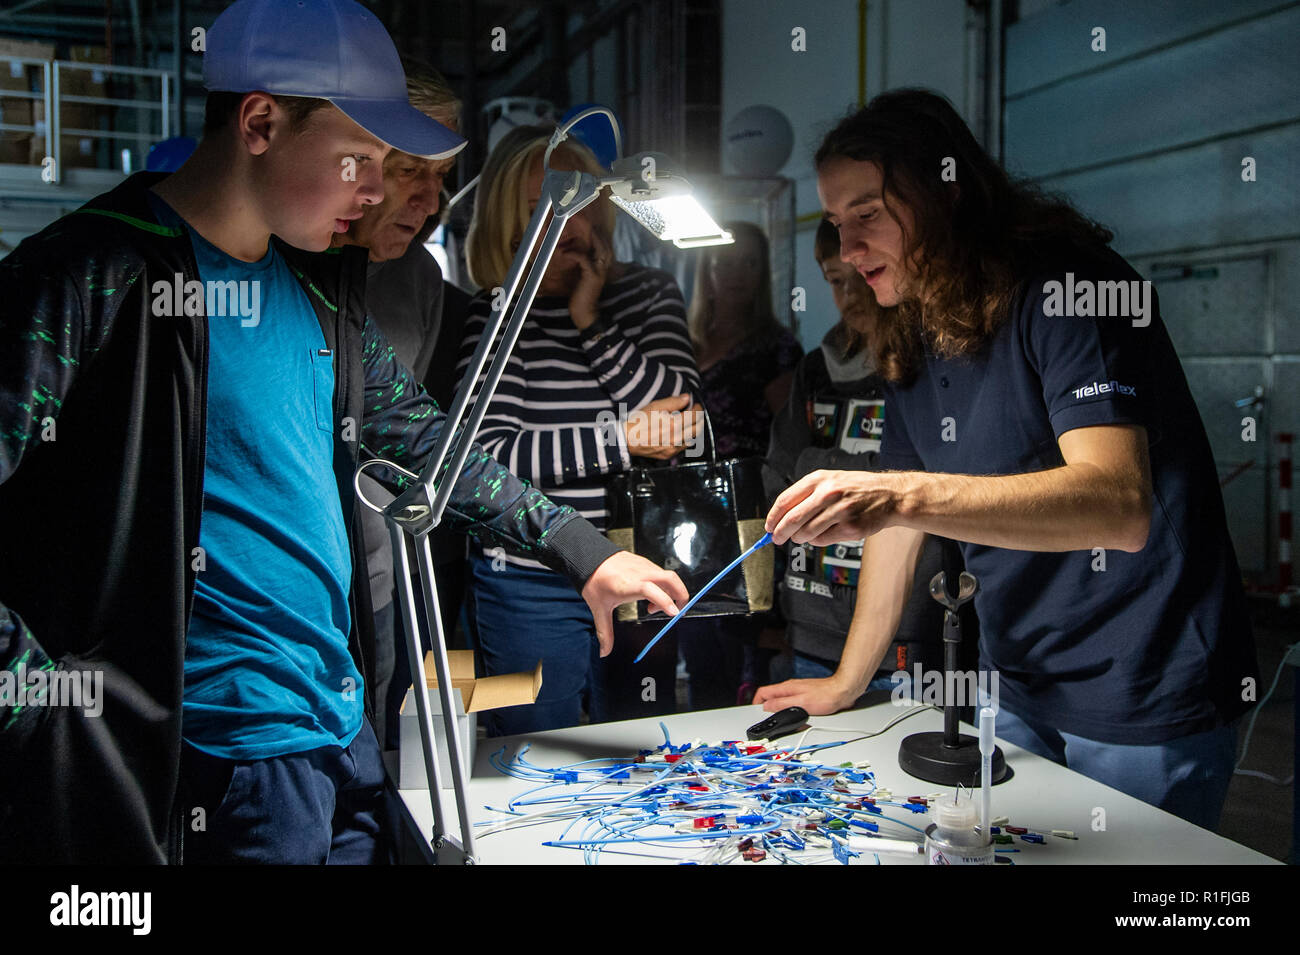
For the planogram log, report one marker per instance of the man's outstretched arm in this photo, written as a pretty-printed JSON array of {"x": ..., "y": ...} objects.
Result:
[
  {"x": 402, "y": 423},
  {"x": 888, "y": 565},
  {"x": 1100, "y": 497}
]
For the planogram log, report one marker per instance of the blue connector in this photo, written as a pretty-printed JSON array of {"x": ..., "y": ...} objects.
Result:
[{"x": 842, "y": 851}]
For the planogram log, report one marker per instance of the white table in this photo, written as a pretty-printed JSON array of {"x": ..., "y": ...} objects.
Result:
[{"x": 1041, "y": 795}]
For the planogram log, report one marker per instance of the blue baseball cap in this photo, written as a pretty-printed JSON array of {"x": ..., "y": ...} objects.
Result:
[{"x": 335, "y": 50}]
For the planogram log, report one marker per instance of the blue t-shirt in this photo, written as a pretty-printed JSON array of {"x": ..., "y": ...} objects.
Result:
[
  {"x": 1155, "y": 646},
  {"x": 267, "y": 667}
]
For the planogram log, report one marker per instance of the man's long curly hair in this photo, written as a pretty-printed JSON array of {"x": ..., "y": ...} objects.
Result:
[{"x": 973, "y": 240}]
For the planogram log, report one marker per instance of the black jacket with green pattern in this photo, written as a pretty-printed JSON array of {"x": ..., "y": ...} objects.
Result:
[{"x": 102, "y": 425}]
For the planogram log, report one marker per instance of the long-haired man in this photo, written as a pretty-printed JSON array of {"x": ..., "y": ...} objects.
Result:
[{"x": 1038, "y": 414}]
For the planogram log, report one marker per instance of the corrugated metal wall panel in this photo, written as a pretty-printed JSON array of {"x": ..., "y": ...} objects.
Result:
[
  {"x": 1214, "y": 308},
  {"x": 1240, "y": 78},
  {"x": 1286, "y": 300},
  {"x": 1149, "y": 138},
  {"x": 1057, "y": 42},
  {"x": 1195, "y": 198}
]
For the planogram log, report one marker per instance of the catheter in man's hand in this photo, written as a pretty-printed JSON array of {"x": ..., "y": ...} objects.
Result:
[{"x": 758, "y": 544}]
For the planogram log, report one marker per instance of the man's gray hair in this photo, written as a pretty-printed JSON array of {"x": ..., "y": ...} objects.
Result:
[{"x": 430, "y": 94}]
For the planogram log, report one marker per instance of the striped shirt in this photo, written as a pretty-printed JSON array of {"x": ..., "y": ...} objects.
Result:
[{"x": 557, "y": 417}]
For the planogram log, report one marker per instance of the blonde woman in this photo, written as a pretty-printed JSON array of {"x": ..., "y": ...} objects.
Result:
[{"x": 602, "y": 337}]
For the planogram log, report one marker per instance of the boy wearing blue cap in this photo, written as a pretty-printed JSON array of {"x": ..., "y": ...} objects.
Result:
[{"x": 187, "y": 387}]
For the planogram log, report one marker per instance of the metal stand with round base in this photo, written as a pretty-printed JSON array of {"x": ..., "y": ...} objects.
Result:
[
  {"x": 926, "y": 756},
  {"x": 949, "y": 758}
]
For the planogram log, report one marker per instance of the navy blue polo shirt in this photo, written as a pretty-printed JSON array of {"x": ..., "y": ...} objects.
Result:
[{"x": 1155, "y": 646}]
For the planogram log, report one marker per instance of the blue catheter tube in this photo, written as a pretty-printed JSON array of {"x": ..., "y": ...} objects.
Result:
[{"x": 758, "y": 544}]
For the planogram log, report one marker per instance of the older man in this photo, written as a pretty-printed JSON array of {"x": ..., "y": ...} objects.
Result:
[{"x": 404, "y": 296}]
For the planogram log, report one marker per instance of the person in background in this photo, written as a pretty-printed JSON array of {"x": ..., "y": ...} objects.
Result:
[
  {"x": 747, "y": 360},
  {"x": 404, "y": 297},
  {"x": 601, "y": 337},
  {"x": 834, "y": 419},
  {"x": 746, "y": 356}
]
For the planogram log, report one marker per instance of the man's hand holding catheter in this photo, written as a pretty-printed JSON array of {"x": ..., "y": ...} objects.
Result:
[{"x": 1100, "y": 497}]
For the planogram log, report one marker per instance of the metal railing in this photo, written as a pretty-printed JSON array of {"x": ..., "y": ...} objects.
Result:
[{"x": 52, "y": 98}]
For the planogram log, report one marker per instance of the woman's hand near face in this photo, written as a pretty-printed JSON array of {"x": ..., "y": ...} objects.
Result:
[{"x": 593, "y": 269}]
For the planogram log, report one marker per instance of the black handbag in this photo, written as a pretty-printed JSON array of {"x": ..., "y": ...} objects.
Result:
[{"x": 695, "y": 519}]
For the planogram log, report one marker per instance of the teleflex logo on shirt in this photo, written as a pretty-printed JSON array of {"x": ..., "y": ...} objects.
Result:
[
  {"x": 214, "y": 298},
  {"x": 1088, "y": 299},
  {"x": 1106, "y": 388}
]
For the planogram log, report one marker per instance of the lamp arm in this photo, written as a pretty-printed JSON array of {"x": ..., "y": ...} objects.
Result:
[
  {"x": 457, "y": 411},
  {"x": 562, "y": 132},
  {"x": 511, "y": 335},
  {"x": 463, "y": 192},
  {"x": 563, "y": 193},
  {"x": 422, "y": 505}
]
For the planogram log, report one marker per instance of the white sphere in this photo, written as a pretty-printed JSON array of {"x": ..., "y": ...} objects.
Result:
[{"x": 757, "y": 141}]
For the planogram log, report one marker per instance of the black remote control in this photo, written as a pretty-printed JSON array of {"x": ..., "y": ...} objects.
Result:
[{"x": 779, "y": 724}]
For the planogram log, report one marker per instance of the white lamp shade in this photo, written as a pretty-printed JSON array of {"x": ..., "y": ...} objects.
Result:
[{"x": 679, "y": 219}]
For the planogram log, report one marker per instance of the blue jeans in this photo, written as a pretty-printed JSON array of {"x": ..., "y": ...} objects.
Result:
[
  {"x": 633, "y": 691},
  {"x": 814, "y": 668},
  {"x": 519, "y": 615},
  {"x": 1187, "y": 777},
  {"x": 323, "y": 806}
]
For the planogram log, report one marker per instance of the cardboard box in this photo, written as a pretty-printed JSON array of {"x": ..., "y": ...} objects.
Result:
[
  {"x": 473, "y": 697},
  {"x": 19, "y": 147},
  {"x": 83, "y": 150},
  {"x": 15, "y": 147}
]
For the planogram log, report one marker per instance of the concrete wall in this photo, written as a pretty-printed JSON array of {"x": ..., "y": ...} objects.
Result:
[
  {"x": 1149, "y": 137},
  {"x": 908, "y": 43}
]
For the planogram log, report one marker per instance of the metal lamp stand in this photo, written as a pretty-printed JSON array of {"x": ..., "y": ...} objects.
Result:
[
  {"x": 418, "y": 510},
  {"x": 634, "y": 185}
]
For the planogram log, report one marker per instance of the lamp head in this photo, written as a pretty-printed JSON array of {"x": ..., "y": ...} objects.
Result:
[{"x": 647, "y": 188}]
